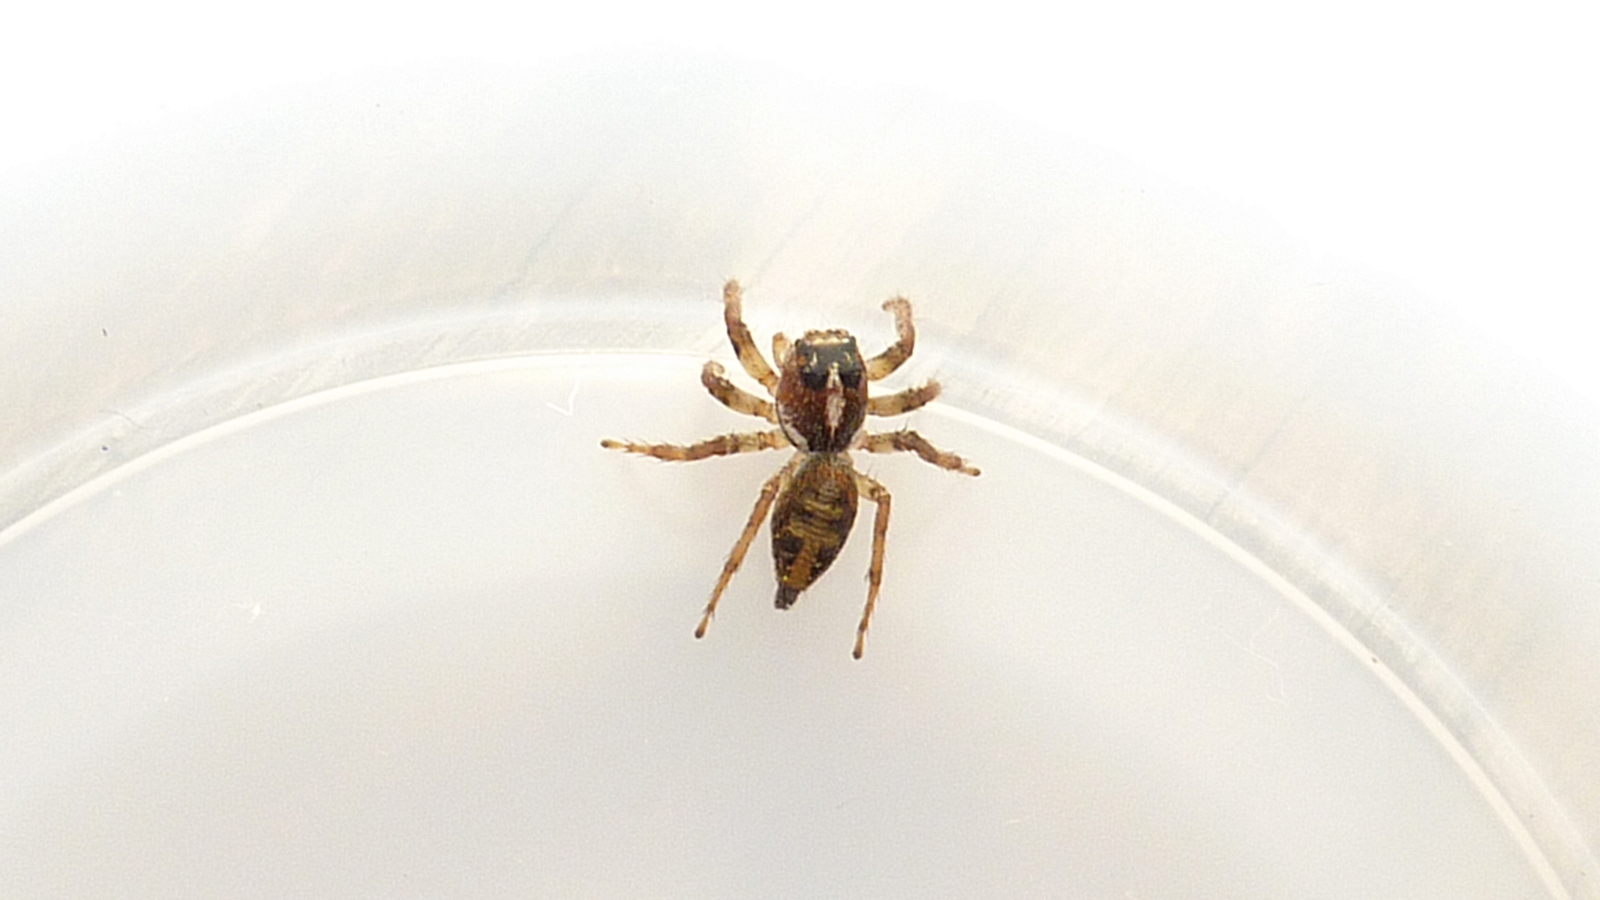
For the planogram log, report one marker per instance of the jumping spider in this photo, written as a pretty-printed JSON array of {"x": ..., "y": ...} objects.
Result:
[{"x": 821, "y": 391}]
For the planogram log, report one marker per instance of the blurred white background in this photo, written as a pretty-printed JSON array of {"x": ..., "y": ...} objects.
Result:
[{"x": 1451, "y": 146}]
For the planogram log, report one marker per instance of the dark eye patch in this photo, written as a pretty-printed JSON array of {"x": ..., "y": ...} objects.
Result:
[
  {"x": 815, "y": 376},
  {"x": 817, "y": 359}
]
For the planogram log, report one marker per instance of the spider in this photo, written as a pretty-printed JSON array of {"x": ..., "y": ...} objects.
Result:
[{"x": 820, "y": 389}]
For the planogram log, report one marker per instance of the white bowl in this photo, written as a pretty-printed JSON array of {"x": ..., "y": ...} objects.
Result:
[{"x": 315, "y": 580}]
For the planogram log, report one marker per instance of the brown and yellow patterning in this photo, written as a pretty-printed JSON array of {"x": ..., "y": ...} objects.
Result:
[{"x": 821, "y": 406}]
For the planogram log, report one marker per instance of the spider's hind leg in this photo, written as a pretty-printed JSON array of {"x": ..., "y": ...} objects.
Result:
[
  {"x": 769, "y": 493},
  {"x": 879, "y": 495}
]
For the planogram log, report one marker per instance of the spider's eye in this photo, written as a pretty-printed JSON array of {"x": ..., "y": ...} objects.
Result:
[
  {"x": 822, "y": 357},
  {"x": 814, "y": 376}
]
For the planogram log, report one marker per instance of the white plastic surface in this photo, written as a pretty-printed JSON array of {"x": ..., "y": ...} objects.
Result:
[
  {"x": 317, "y": 582},
  {"x": 426, "y": 638}
]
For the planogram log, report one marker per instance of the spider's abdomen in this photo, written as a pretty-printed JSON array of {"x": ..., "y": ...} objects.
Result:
[{"x": 811, "y": 521}]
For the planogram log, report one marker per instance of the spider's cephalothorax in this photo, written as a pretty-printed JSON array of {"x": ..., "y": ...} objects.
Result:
[
  {"x": 822, "y": 403},
  {"x": 822, "y": 392}
]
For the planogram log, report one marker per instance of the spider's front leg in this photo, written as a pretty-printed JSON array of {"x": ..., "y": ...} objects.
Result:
[
  {"x": 721, "y": 445},
  {"x": 743, "y": 343},
  {"x": 898, "y": 352}
]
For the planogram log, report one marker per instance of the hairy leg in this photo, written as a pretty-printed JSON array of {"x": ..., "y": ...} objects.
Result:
[
  {"x": 899, "y": 351},
  {"x": 898, "y": 441},
  {"x": 734, "y": 397},
  {"x": 879, "y": 495},
  {"x": 721, "y": 445},
  {"x": 739, "y": 335},
  {"x": 769, "y": 492},
  {"x": 903, "y": 402}
]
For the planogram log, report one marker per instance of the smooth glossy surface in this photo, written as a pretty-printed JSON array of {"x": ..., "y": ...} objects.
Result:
[{"x": 426, "y": 636}]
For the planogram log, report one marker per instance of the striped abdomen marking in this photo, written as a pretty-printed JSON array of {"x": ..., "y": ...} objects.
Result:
[{"x": 811, "y": 521}]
